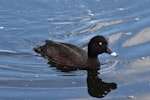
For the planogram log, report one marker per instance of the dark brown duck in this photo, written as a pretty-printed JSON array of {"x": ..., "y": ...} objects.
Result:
[{"x": 71, "y": 57}]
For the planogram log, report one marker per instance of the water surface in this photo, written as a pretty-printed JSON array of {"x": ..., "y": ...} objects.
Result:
[{"x": 25, "y": 24}]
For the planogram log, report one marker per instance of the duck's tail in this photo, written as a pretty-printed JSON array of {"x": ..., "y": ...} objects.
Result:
[{"x": 38, "y": 49}]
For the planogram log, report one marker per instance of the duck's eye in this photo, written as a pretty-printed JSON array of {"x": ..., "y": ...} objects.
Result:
[{"x": 100, "y": 43}]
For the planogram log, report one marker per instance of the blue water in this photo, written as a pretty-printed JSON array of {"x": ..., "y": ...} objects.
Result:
[{"x": 24, "y": 24}]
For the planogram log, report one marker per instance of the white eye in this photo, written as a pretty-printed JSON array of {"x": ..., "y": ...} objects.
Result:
[{"x": 100, "y": 43}]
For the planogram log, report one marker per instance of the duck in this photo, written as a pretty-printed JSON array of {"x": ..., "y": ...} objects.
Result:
[{"x": 66, "y": 56}]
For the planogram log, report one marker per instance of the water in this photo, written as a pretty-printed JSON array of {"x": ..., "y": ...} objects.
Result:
[{"x": 25, "y": 24}]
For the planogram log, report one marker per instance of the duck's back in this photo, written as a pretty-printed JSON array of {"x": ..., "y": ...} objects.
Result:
[{"x": 63, "y": 54}]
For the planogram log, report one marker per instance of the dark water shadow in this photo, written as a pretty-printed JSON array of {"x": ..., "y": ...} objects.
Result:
[{"x": 96, "y": 87}]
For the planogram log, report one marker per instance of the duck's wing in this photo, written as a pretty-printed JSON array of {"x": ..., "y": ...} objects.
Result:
[
  {"x": 62, "y": 53},
  {"x": 76, "y": 48}
]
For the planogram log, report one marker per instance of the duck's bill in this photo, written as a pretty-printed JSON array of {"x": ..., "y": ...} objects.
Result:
[
  {"x": 114, "y": 54},
  {"x": 109, "y": 51}
]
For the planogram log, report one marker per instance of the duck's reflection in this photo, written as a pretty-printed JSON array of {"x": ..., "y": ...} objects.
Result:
[{"x": 96, "y": 86}]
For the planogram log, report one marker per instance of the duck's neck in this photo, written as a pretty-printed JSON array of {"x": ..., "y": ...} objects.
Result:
[
  {"x": 93, "y": 62},
  {"x": 92, "y": 58},
  {"x": 92, "y": 55}
]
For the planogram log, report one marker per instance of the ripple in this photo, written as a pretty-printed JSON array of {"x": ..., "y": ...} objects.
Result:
[
  {"x": 108, "y": 66},
  {"x": 95, "y": 27},
  {"x": 139, "y": 38}
]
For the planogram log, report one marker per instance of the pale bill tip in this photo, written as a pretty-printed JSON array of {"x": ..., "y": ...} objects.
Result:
[{"x": 114, "y": 54}]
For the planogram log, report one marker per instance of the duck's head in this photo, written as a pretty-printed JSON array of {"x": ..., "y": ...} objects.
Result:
[{"x": 98, "y": 45}]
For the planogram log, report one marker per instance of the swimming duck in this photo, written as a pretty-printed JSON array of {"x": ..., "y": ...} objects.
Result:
[{"x": 70, "y": 57}]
